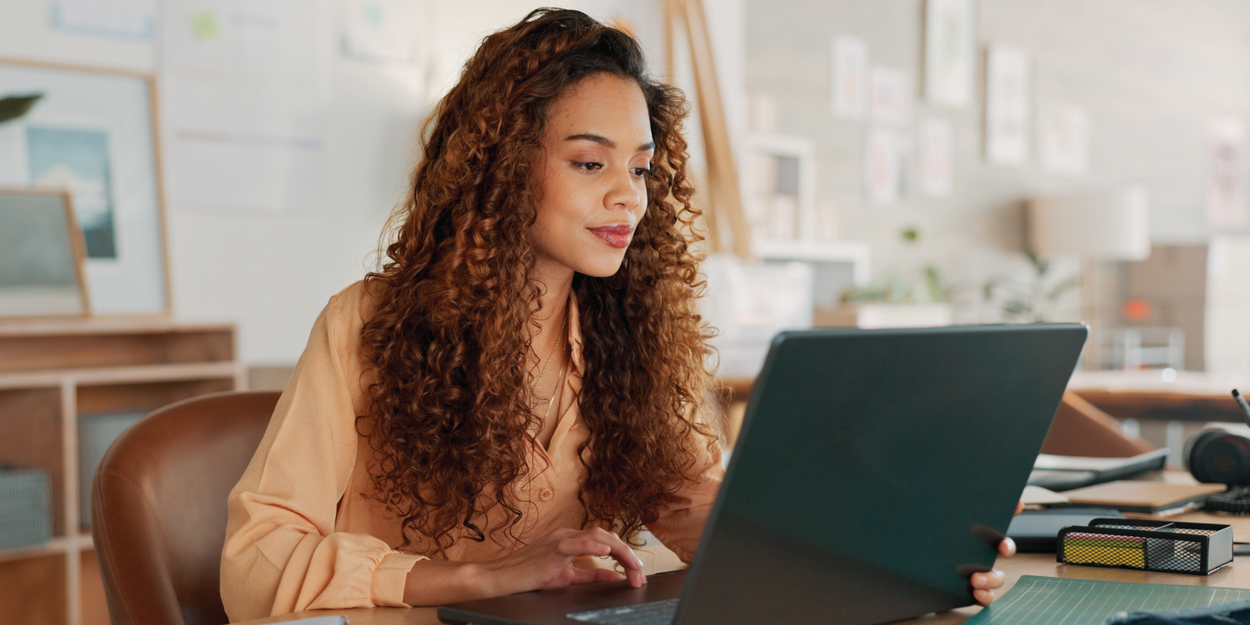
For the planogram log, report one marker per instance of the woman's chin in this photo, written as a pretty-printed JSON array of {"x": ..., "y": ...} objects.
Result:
[{"x": 604, "y": 269}]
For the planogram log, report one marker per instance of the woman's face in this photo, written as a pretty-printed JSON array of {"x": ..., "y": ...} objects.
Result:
[{"x": 597, "y": 149}]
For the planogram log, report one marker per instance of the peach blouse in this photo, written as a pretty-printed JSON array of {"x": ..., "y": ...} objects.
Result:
[{"x": 303, "y": 532}]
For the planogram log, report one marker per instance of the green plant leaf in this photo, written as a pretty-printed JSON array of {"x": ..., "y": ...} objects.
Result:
[
  {"x": 1040, "y": 265},
  {"x": 13, "y": 107}
]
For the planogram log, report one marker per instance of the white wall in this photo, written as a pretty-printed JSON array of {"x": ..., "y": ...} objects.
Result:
[{"x": 271, "y": 275}]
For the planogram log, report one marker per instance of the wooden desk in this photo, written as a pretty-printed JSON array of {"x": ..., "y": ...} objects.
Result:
[{"x": 1236, "y": 575}]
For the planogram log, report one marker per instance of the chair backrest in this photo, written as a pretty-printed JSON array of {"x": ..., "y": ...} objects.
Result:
[{"x": 159, "y": 507}]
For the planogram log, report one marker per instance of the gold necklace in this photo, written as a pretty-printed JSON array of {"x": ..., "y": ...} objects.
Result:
[
  {"x": 559, "y": 340},
  {"x": 555, "y": 391}
]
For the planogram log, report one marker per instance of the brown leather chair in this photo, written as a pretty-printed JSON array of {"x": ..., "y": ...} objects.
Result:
[{"x": 159, "y": 507}]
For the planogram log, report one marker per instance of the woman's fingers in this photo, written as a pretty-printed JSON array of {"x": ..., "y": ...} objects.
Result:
[
  {"x": 990, "y": 580},
  {"x": 606, "y": 575},
  {"x": 626, "y": 557},
  {"x": 599, "y": 542},
  {"x": 1007, "y": 547},
  {"x": 983, "y": 597},
  {"x": 575, "y": 547}
]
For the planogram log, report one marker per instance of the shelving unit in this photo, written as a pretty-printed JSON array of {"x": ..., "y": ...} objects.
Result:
[{"x": 50, "y": 375}]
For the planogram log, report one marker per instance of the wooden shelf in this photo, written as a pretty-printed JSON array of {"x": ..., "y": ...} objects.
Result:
[
  {"x": 53, "y": 373},
  {"x": 121, "y": 375},
  {"x": 57, "y": 546}
]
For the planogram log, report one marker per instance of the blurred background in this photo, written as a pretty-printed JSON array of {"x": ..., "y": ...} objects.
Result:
[{"x": 231, "y": 163}]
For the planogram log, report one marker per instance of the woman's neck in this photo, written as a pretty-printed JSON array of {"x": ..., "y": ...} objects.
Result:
[{"x": 556, "y": 283}]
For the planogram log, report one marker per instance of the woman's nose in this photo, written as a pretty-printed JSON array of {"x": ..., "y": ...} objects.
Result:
[{"x": 625, "y": 191}]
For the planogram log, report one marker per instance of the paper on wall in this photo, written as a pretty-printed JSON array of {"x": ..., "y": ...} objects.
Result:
[
  {"x": 377, "y": 30},
  {"x": 883, "y": 159},
  {"x": 245, "y": 103},
  {"x": 936, "y": 157},
  {"x": 850, "y": 77},
  {"x": 1063, "y": 132},
  {"x": 1226, "y": 186},
  {"x": 124, "y": 19},
  {"x": 949, "y": 51},
  {"x": 1008, "y": 105},
  {"x": 891, "y": 95}
]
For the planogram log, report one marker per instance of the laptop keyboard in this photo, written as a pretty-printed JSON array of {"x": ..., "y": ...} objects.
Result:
[{"x": 653, "y": 613}]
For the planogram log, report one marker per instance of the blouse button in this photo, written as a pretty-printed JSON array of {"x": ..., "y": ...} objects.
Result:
[{"x": 545, "y": 494}]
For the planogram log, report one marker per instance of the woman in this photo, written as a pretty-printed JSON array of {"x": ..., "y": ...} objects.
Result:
[{"x": 523, "y": 383}]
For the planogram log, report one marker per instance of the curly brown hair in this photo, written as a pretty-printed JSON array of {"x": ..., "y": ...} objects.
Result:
[{"x": 448, "y": 345}]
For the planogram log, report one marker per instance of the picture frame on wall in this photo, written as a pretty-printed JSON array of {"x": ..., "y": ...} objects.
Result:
[
  {"x": 781, "y": 187},
  {"x": 949, "y": 51},
  {"x": 93, "y": 134},
  {"x": 1008, "y": 105},
  {"x": 41, "y": 256}
]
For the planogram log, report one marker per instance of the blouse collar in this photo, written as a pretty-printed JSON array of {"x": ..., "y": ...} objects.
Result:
[{"x": 575, "y": 337}]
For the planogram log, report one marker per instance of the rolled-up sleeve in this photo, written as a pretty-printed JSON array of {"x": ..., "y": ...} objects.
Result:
[
  {"x": 281, "y": 553},
  {"x": 686, "y": 511}
]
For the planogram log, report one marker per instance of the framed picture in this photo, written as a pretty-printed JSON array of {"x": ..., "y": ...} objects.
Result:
[
  {"x": 949, "y": 51},
  {"x": 92, "y": 133},
  {"x": 850, "y": 77},
  {"x": 1063, "y": 135},
  {"x": 1008, "y": 105},
  {"x": 781, "y": 187},
  {"x": 891, "y": 95},
  {"x": 41, "y": 255}
]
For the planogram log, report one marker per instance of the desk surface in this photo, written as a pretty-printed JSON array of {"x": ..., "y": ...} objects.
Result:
[{"x": 1236, "y": 575}]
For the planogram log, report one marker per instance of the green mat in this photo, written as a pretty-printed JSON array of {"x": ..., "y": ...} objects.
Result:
[{"x": 1053, "y": 601}]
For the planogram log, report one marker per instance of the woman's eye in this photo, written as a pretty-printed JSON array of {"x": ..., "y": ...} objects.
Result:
[
  {"x": 587, "y": 166},
  {"x": 642, "y": 171}
]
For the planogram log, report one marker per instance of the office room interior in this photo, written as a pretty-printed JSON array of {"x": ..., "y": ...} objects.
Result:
[{"x": 229, "y": 165}]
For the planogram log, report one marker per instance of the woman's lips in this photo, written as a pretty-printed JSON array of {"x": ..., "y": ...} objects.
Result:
[{"x": 616, "y": 235}]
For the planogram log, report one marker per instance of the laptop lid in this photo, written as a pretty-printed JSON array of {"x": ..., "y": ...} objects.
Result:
[{"x": 876, "y": 470}]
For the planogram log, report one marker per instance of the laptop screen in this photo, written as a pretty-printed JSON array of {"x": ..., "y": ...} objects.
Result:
[{"x": 876, "y": 470}]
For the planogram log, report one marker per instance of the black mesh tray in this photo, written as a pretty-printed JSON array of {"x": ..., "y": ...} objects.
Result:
[{"x": 1145, "y": 545}]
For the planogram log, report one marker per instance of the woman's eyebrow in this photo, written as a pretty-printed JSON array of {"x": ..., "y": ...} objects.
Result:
[{"x": 606, "y": 142}]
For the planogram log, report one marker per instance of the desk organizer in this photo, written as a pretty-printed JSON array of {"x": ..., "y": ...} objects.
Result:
[{"x": 1145, "y": 545}]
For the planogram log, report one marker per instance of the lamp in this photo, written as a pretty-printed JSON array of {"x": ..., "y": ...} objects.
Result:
[
  {"x": 1095, "y": 227},
  {"x": 1106, "y": 226}
]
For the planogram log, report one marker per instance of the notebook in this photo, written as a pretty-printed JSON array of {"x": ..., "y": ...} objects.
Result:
[{"x": 1141, "y": 496}]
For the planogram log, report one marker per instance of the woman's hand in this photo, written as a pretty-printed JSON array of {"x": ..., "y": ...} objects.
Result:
[
  {"x": 983, "y": 584},
  {"x": 548, "y": 562}
]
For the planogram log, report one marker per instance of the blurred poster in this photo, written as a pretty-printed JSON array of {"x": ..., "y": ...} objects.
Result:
[
  {"x": 1226, "y": 187},
  {"x": 949, "y": 51},
  {"x": 77, "y": 160},
  {"x": 377, "y": 31},
  {"x": 122, "y": 19},
  {"x": 749, "y": 303},
  {"x": 1063, "y": 135},
  {"x": 934, "y": 151},
  {"x": 850, "y": 77},
  {"x": 891, "y": 95},
  {"x": 1007, "y": 105},
  {"x": 245, "y": 103},
  {"x": 883, "y": 166}
]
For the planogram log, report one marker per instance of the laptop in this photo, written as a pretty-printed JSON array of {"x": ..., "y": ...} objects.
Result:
[{"x": 875, "y": 471}]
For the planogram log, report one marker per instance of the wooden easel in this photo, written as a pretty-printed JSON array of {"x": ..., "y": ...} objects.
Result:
[{"x": 724, "y": 198}]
